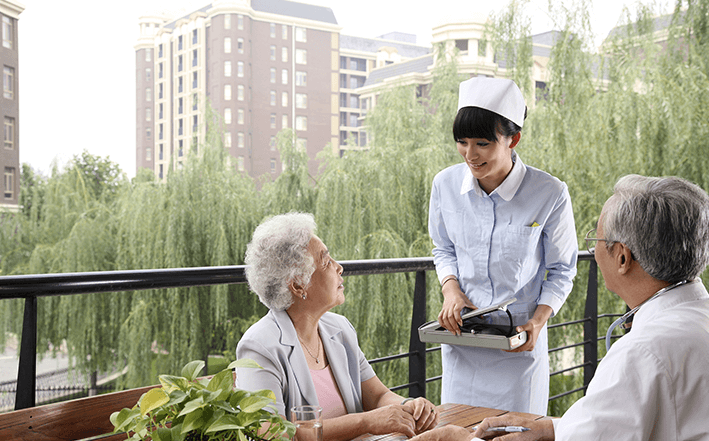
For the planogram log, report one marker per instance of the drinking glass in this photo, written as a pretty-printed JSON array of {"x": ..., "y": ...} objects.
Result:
[{"x": 308, "y": 422}]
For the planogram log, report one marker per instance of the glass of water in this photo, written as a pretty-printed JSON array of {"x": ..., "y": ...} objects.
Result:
[{"x": 308, "y": 422}]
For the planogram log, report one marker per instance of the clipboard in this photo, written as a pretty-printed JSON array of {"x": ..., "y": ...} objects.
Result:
[{"x": 476, "y": 334}]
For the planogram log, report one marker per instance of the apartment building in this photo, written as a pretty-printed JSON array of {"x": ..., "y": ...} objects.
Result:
[
  {"x": 259, "y": 65},
  {"x": 9, "y": 104}
]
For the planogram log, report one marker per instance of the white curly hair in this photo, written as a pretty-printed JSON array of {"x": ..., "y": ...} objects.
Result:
[{"x": 278, "y": 255}]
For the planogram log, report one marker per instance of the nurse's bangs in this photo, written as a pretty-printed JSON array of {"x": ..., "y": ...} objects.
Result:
[{"x": 475, "y": 122}]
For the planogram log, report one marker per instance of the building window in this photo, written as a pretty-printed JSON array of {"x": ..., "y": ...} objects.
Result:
[
  {"x": 179, "y": 63},
  {"x": 148, "y": 114},
  {"x": 179, "y": 43},
  {"x": 354, "y": 101},
  {"x": 273, "y": 53},
  {"x": 343, "y": 62},
  {"x": 356, "y": 81},
  {"x": 148, "y": 55},
  {"x": 301, "y": 100},
  {"x": 240, "y": 163},
  {"x": 179, "y": 106},
  {"x": 195, "y": 99},
  {"x": 240, "y": 22},
  {"x": 273, "y": 120},
  {"x": 195, "y": 38},
  {"x": 273, "y": 98},
  {"x": 7, "y": 32},
  {"x": 227, "y": 140},
  {"x": 240, "y": 140},
  {"x": 227, "y": 92},
  {"x": 301, "y": 123},
  {"x": 160, "y": 87},
  {"x": 343, "y": 81},
  {"x": 8, "y": 82},
  {"x": 148, "y": 133},
  {"x": 160, "y": 153},
  {"x": 343, "y": 100},
  {"x": 195, "y": 123},
  {"x": 9, "y": 182},
  {"x": 462, "y": 45},
  {"x": 180, "y": 85},
  {"x": 148, "y": 154},
  {"x": 272, "y": 143},
  {"x": 194, "y": 80},
  {"x": 160, "y": 174},
  {"x": 195, "y": 58},
  {"x": 358, "y": 64},
  {"x": 160, "y": 131},
  {"x": 180, "y": 127},
  {"x": 240, "y": 69},
  {"x": 227, "y": 45},
  {"x": 227, "y": 21},
  {"x": 160, "y": 111},
  {"x": 354, "y": 120},
  {"x": 240, "y": 92},
  {"x": 284, "y": 54},
  {"x": 300, "y": 35},
  {"x": 147, "y": 74},
  {"x": 227, "y": 69},
  {"x": 301, "y": 78},
  {"x": 273, "y": 30},
  {"x": 343, "y": 118},
  {"x": 180, "y": 149},
  {"x": 160, "y": 72},
  {"x": 160, "y": 50},
  {"x": 9, "y": 133},
  {"x": 273, "y": 75},
  {"x": 148, "y": 94},
  {"x": 284, "y": 32},
  {"x": 301, "y": 144},
  {"x": 284, "y": 99},
  {"x": 284, "y": 121},
  {"x": 240, "y": 116},
  {"x": 284, "y": 76},
  {"x": 227, "y": 116},
  {"x": 273, "y": 165},
  {"x": 240, "y": 45},
  {"x": 301, "y": 56}
]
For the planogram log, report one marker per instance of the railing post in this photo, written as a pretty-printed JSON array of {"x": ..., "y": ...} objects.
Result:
[
  {"x": 27, "y": 369},
  {"x": 417, "y": 361},
  {"x": 590, "y": 326}
]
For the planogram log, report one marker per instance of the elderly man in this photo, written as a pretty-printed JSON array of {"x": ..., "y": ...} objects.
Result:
[{"x": 653, "y": 382}]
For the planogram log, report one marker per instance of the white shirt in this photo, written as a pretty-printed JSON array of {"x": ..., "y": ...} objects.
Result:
[{"x": 653, "y": 385}]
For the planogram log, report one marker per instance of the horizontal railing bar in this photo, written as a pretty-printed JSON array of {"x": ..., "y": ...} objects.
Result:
[
  {"x": 568, "y": 392},
  {"x": 568, "y": 346},
  {"x": 572, "y": 368},
  {"x": 390, "y": 357},
  {"x": 574, "y": 322},
  {"x": 432, "y": 379}
]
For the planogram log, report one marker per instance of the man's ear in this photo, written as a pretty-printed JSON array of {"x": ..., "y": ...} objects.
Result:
[{"x": 623, "y": 257}]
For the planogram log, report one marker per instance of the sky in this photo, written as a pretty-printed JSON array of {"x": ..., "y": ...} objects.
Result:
[{"x": 77, "y": 63}]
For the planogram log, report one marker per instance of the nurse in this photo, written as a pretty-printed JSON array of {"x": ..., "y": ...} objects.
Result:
[{"x": 500, "y": 229}]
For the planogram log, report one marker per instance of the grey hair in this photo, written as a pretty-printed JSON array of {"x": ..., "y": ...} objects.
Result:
[
  {"x": 278, "y": 255},
  {"x": 664, "y": 222}
]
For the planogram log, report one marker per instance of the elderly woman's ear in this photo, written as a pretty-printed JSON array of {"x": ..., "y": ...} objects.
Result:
[{"x": 296, "y": 289}]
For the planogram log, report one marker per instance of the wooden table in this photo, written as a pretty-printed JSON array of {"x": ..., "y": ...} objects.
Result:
[{"x": 459, "y": 414}]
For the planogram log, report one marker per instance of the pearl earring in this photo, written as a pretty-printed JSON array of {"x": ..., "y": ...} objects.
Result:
[{"x": 303, "y": 296}]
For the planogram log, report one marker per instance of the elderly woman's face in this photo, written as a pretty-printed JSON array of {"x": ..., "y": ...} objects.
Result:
[{"x": 326, "y": 282}]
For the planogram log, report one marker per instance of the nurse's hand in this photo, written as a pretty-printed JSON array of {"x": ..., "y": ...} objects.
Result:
[
  {"x": 454, "y": 300},
  {"x": 533, "y": 327}
]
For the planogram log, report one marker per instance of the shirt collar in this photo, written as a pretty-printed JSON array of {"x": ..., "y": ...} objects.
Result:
[{"x": 509, "y": 186}]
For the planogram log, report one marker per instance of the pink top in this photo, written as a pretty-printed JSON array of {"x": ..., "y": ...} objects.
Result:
[{"x": 328, "y": 394}]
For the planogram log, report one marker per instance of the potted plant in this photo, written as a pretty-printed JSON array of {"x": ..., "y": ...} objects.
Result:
[{"x": 190, "y": 409}]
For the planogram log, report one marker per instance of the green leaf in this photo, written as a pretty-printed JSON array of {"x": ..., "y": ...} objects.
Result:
[
  {"x": 191, "y": 406},
  {"x": 254, "y": 403},
  {"x": 237, "y": 396},
  {"x": 176, "y": 397},
  {"x": 152, "y": 399},
  {"x": 244, "y": 363},
  {"x": 192, "y": 421},
  {"x": 173, "y": 382},
  {"x": 193, "y": 369},
  {"x": 223, "y": 381},
  {"x": 123, "y": 417},
  {"x": 241, "y": 436},
  {"x": 226, "y": 422}
]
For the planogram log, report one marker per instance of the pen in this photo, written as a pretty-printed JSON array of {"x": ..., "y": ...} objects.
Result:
[{"x": 508, "y": 429}]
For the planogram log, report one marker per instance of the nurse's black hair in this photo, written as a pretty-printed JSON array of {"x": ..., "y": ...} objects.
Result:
[{"x": 475, "y": 122}]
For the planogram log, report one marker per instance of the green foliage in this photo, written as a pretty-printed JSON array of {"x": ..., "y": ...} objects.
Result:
[{"x": 191, "y": 408}]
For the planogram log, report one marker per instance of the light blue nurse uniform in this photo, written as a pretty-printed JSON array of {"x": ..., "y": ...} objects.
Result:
[{"x": 518, "y": 241}]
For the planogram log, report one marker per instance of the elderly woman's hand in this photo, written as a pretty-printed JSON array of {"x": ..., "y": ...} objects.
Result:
[
  {"x": 389, "y": 419},
  {"x": 424, "y": 412}
]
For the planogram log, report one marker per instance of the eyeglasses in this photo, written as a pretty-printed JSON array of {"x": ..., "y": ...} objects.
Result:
[{"x": 590, "y": 239}]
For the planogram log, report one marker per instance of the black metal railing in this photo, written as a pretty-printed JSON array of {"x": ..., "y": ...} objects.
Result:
[{"x": 30, "y": 287}]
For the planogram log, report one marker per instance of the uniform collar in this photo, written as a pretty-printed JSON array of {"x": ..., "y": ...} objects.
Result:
[{"x": 509, "y": 186}]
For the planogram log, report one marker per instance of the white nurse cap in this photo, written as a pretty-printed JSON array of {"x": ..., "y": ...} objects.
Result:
[{"x": 494, "y": 94}]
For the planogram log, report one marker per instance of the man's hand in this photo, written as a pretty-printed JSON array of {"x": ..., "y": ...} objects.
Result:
[{"x": 541, "y": 430}]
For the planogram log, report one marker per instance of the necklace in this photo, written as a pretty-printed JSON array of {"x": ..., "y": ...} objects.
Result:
[
  {"x": 634, "y": 310},
  {"x": 315, "y": 357}
]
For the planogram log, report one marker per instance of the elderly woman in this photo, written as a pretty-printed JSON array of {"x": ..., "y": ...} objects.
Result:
[{"x": 309, "y": 355}]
